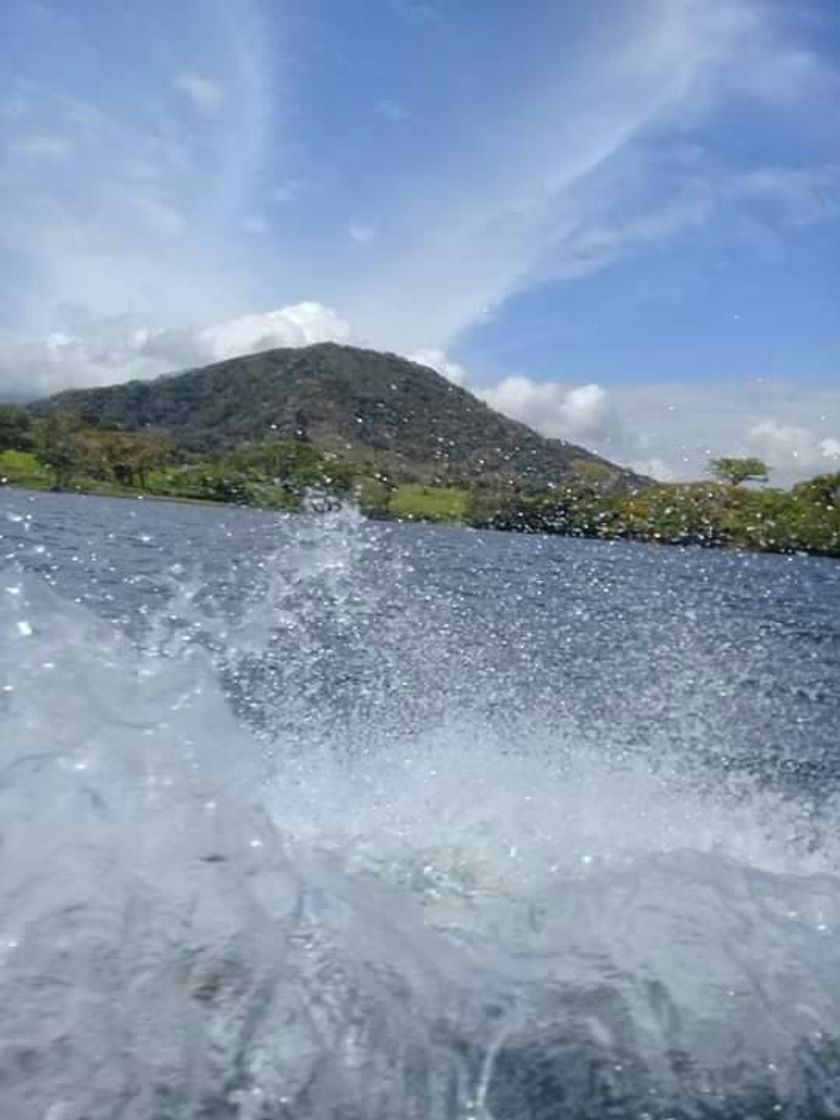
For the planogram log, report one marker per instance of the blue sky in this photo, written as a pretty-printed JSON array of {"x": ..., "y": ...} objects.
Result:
[{"x": 618, "y": 220}]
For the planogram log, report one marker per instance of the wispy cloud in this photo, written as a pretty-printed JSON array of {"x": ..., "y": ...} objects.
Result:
[
  {"x": 393, "y": 111},
  {"x": 361, "y": 234},
  {"x": 572, "y": 178},
  {"x": 158, "y": 217},
  {"x": 288, "y": 191},
  {"x": 205, "y": 95},
  {"x": 160, "y": 208},
  {"x": 808, "y": 194},
  {"x": 151, "y": 219},
  {"x": 418, "y": 10}
]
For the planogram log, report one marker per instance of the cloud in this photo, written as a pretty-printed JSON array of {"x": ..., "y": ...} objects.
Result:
[
  {"x": 671, "y": 431},
  {"x": 360, "y": 233},
  {"x": 289, "y": 191},
  {"x": 204, "y": 95},
  {"x": 392, "y": 111},
  {"x": 419, "y": 11},
  {"x": 150, "y": 221},
  {"x": 587, "y": 166},
  {"x": 789, "y": 447},
  {"x": 438, "y": 360},
  {"x": 299, "y": 325},
  {"x": 577, "y": 413},
  {"x": 101, "y": 352},
  {"x": 583, "y": 149},
  {"x": 158, "y": 216},
  {"x": 668, "y": 431},
  {"x": 809, "y": 194}
]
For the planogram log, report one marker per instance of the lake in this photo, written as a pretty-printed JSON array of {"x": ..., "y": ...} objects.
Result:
[{"x": 314, "y": 817}]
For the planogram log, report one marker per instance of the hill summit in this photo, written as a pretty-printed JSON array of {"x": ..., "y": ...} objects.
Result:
[{"x": 347, "y": 400}]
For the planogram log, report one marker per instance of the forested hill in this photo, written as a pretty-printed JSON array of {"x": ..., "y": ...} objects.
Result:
[{"x": 343, "y": 399}]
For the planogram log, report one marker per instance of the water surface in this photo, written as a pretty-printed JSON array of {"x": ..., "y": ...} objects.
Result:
[{"x": 314, "y": 817}]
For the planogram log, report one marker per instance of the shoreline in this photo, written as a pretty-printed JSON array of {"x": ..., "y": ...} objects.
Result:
[{"x": 655, "y": 540}]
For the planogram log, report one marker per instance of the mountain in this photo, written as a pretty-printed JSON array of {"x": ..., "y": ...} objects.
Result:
[{"x": 347, "y": 400}]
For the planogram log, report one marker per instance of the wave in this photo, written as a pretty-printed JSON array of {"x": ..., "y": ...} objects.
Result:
[{"x": 242, "y": 877}]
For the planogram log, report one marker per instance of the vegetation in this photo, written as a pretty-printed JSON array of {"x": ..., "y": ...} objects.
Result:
[
  {"x": 67, "y": 454},
  {"x": 429, "y": 503},
  {"x": 57, "y": 446},
  {"x": 710, "y": 514},
  {"x": 397, "y": 439},
  {"x": 736, "y": 471},
  {"x": 15, "y": 428},
  {"x": 358, "y": 404},
  {"x": 279, "y": 473},
  {"x": 23, "y": 468}
]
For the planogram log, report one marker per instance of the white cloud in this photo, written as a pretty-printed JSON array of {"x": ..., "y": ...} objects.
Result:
[
  {"x": 438, "y": 360},
  {"x": 790, "y": 447},
  {"x": 298, "y": 325},
  {"x": 666, "y": 431},
  {"x": 653, "y": 468},
  {"x": 101, "y": 352},
  {"x": 555, "y": 175},
  {"x": 360, "y": 233},
  {"x": 562, "y": 412},
  {"x": 671, "y": 431},
  {"x": 205, "y": 95}
]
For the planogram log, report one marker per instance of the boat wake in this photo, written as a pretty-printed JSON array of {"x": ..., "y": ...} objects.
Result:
[{"x": 241, "y": 882}]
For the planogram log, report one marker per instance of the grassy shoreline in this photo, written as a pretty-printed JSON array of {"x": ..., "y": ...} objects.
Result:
[
  {"x": 444, "y": 509},
  {"x": 279, "y": 476}
]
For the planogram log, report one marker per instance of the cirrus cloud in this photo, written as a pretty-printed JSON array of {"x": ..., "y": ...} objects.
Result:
[{"x": 203, "y": 94}]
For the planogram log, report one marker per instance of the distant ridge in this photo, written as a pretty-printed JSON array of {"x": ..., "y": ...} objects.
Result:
[{"x": 344, "y": 399}]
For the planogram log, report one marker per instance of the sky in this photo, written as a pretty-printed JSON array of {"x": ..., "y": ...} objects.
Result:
[{"x": 617, "y": 220}]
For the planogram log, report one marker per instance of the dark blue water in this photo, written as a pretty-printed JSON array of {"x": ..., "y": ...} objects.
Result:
[{"x": 313, "y": 817}]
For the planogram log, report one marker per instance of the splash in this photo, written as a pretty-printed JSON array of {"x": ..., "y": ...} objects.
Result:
[{"x": 262, "y": 859}]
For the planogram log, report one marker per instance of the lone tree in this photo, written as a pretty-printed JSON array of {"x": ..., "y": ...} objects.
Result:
[
  {"x": 57, "y": 447},
  {"x": 736, "y": 471},
  {"x": 15, "y": 428}
]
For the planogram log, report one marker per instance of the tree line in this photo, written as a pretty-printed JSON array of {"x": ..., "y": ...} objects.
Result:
[
  {"x": 721, "y": 512},
  {"x": 68, "y": 449}
]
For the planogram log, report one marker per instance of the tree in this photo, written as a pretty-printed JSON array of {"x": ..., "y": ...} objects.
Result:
[
  {"x": 824, "y": 490},
  {"x": 736, "y": 471},
  {"x": 15, "y": 428},
  {"x": 131, "y": 455},
  {"x": 57, "y": 446},
  {"x": 592, "y": 476}
]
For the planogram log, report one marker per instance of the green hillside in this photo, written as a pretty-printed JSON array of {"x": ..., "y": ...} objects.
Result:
[{"x": 404, "y": 417}]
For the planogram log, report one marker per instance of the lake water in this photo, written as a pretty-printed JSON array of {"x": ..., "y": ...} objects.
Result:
[{"x": 326, "y": 819}]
